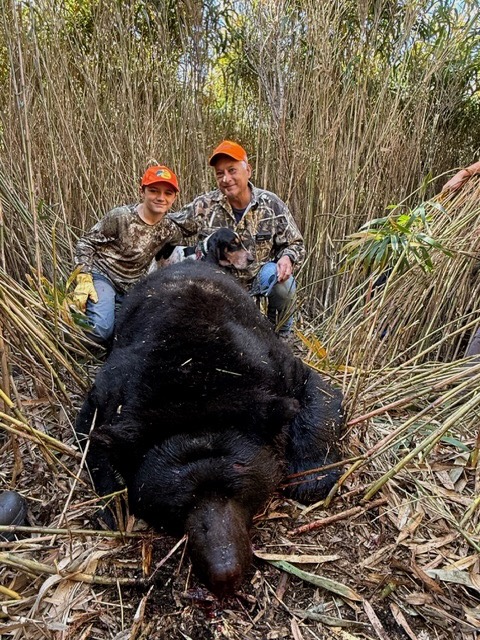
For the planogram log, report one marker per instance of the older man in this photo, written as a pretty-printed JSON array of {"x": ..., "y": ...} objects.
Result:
[{"x": 265, "y": 225}]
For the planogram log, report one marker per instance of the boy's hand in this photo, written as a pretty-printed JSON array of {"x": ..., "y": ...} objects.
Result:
[{"x": 83, "y": 291}]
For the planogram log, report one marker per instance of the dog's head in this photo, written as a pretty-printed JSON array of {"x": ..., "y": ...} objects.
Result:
[{"x": 225, "y": 248}]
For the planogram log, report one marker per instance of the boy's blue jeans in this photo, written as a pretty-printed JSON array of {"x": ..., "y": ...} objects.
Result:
[
  {"x": 101, "y": 314},
  {"x": 280, "y": 296}
]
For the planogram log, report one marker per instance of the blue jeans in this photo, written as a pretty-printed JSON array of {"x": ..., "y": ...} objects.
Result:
[
  {"x": 101, "y": 314},
  {"x": 280, "y": 296}
]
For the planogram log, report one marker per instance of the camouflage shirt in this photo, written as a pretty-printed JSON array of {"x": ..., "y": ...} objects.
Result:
[
  {"x": 267, "y": 227},
  {"x": 121, "y": 245}
]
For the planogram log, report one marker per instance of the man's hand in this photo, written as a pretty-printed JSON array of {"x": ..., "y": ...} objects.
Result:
[
  {"x": 284, "y": 268},
  {"x": 83, "y": 291}
]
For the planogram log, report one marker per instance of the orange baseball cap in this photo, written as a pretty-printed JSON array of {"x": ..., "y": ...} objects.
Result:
[
  {"x": 159, "y": 173},
  {"x": 230, "y": 149}
]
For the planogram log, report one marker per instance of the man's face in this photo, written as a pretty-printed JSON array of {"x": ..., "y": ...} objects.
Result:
[
  {"x": 158, "y": 198},
  {"x": 232, "y": 177}
]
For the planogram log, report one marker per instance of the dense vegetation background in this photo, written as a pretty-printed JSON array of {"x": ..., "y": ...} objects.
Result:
[{"x": 345, "y": 107}]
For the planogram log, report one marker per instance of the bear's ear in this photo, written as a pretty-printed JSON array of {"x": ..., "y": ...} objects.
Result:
[
  {"x": 281, "y": 412},
  {"x": 123, "y": 434}
]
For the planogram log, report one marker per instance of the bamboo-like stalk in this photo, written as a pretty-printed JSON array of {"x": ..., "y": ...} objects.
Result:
[
  {"x": 39, "y": 568},
  {"x": 24, "y": 430},
  {"x": 74, "y": 532},
  {"x": 434, "y": 437},
  {"x": 26, "y": 137}
]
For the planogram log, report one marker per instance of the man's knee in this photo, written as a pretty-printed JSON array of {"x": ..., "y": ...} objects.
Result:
[
  {"x": 280, "y": 295},
  {"x": 283, "y": 293},
  {"x": 265, "y": 280}
]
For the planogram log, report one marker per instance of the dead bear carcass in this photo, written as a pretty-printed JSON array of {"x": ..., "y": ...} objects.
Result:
[{"x": 200, "y": 410}]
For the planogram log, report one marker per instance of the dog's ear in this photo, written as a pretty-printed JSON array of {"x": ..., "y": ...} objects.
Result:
[{"x": 220, "y": 255}]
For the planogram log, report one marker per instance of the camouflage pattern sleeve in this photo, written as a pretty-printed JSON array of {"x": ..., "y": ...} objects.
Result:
[
  {"x": 101, "y": 233},
  {"x": 121, "y": 246},
  {"x": 288, "y": 240},
  {"x": 186, "y": 220}
]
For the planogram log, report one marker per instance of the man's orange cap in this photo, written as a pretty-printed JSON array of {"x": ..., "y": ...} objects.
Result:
[
  {"x": 230, "y": 149},
  {"x": 159, "y": 173}
]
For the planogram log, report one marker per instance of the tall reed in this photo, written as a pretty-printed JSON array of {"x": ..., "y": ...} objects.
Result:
[{"x": 343, "y": 106}]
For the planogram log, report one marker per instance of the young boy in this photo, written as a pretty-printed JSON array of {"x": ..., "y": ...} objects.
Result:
[{"x": 118, "y": 250}]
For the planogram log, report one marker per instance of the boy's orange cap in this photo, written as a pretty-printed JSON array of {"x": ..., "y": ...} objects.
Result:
[
  {"x": 230, "y": 149},
  {"x": 159, "y": 173}
]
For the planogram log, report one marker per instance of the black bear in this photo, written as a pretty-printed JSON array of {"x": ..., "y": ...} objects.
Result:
[{"x": 200, "y": 410}]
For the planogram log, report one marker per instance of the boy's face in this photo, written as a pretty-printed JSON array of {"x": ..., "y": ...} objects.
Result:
[{"x": 158, "y": 198}]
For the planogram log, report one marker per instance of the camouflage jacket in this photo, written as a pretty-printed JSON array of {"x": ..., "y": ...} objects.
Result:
[
  {"x": 267, "y": 227},
  {"x": 121, "y": 245}
]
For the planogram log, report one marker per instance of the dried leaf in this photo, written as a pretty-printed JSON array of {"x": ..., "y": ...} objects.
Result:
[
  {"x": 380, "y": 554},
  {"x": 445, "y": 479},
  {"x": 297, "y": 558},
  {"x": 296, "y": 633},
  {"x": 404, "y": 512},
  {"x": 455, "y": 474},
  {"x": 411, "y": 526},
  {"x": 330, "y": 621},
  {"x": 139, "y": 615},
  {"x": 275, "y": 515},
  {"x": 426, "y": 579},
  {"x": 462, "y": 563},
  {"x": 147, "y": 551},
  {"x": 446, "y": 493},
  {"x": 375, "y": 622},
  {"x": 457, "y": 577},
  {"x": 436, "y": 543},
  {"x": 401, "y": 621},
  {"x": 319, "y": 581},
  {"x": 473, "y": 616},
  {"x": 418, "y": 598},
  {"x": 313, "y": 344}
]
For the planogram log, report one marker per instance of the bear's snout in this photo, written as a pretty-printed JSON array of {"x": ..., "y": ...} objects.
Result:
[{"x": 219, "y": 543}]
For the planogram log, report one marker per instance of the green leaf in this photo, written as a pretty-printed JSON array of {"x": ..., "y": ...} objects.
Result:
[
  {"x": 456, "y": 443},
  {"x": 318, "y": 581},
  {"x": 373, "y": 223},
  {"x": 394, "y": 242}
]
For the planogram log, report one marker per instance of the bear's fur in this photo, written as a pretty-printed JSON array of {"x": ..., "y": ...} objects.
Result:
[{"x": 201, "y": 410}]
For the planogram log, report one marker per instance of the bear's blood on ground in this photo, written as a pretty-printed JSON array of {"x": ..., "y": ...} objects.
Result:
[{"x": 200, "y": 410}]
